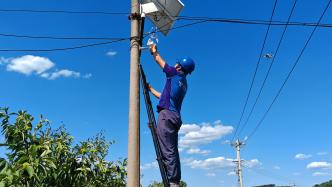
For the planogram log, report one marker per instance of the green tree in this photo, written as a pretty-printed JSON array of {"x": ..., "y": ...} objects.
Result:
[
  {"x": 325, "y": 184},
  {"x": 160, "y": 184},
  {"x": 41, "y": 156}
]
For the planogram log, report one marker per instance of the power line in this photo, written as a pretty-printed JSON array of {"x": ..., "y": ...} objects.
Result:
[
  {"x": 89, "y": 38},
  {"x": 185, "y": 25},
  {"x": 289, "y": 74},
  {"x": 63, "y": 49},
  {"x": 110, "y": 38},
  {"x": 270, "y": 67},
  {"x": 254, "y": 22},
  {"x": 197, "y": 19},
  {"x": 56, "y": 37},
  {"x": 255, "y": 72},
  {"x": 93, "y": 44},
  {"x": 63, "y": 11},
  {"x": 190, "y": 18}
]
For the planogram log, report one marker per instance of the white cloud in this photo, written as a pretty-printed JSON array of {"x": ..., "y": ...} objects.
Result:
[
  {"x": 322, "y": 153},
  {"x": 302, "y": 156},
  {"x": 253, "y": 163},
  {"x": 231, "y": 173},
  {"x": 63, "y": 73},
  {"x": 222, "y": 182},
  {"x": 212, "y": 163},
  {"x": 217, "y": 163},
  {"x": 198, "y": 151},
  {"x": 226, "y": 142},
  {"x": 194, "y": 135},
  {"x": 4, "y": 60},
  {"x": 87, "y": 76},
  {"x": 45, "y": 75},
  {"x": 319, "y": 165},
  {"x": 40, "y": 66},
  {"x": 152, "y": 165},
  {"x": 217, "y": 122},
  {"x": 111, "y": 53},
  {"x": 186, "y": 128},
  {"x": 316, "y": 174},
  {"x": 211, "y": 174},
  {"x": 28, "y": 64},
  {"x": 186, "y": 160},
  {"x": 276, "y": 167}
]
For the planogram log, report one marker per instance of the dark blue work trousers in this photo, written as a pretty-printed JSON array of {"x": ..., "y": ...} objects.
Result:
[{"x": 169, "y": 123}]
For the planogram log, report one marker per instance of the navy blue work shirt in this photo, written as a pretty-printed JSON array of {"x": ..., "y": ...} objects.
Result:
[{"x": 174, "y": 91}]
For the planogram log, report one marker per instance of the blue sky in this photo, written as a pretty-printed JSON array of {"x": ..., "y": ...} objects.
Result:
[{"x": 87, "y": 89}]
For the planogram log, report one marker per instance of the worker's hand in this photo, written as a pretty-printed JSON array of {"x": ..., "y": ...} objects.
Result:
[
  {"x": 153, "y": 48},
  {"x": 148, "y": 85}
]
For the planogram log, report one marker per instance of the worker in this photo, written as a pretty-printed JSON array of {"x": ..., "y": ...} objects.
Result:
[{"x": 169, "y": 108}]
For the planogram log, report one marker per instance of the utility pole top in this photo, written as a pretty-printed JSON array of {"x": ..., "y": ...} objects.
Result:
[{"x": 237, "y": 143}]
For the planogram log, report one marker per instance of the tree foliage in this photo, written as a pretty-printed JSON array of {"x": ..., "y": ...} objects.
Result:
[
  {"x": 41, "y": 156},
  {"x": 325, "y": 184}
]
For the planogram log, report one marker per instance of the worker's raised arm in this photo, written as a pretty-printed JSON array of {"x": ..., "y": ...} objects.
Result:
[
  {"x": 156, "y": 56},
  {"x": 153, "y": 91}
]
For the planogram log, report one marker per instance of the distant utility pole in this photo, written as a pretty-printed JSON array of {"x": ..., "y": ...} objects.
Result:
[
  {"x": 237, "y": 145},
  {"x": 134, "y": 101}
]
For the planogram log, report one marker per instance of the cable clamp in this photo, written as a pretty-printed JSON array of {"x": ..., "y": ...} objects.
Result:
[
  {"x": 135, "y": 38},
  {"x": 135, "y": 16}
]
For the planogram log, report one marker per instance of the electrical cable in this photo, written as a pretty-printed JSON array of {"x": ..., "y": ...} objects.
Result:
[
  {"x": 110, "y": 38},
  {"x": 63, "y": 11},
  {"x": 191, "y": 18},
  {"x": 270, "y": 67},
  {"x": 93, "y": 44},
  {"x": 255, "y": 22},
  {"x": 63, "y": 49},
  {"x": 56, "y": 37},
  {"x": 289, "y": 73},
  {"x": 255, "y": 72},
  {"x": 91, "y": 38},
  {"x": 221, "y": 20}
]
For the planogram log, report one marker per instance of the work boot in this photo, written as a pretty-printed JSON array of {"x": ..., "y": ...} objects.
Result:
[{"x": 174, "y": 184}]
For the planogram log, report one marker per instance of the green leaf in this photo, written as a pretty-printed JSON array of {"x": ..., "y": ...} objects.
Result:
[
  {"x": 46, "y": 152},
  {"x": 23, "y": 159},
  {"x": 34, "y": 150},
  {"x": 59, "y": 146},
  {"x": 51, "y": 164},
  {"x": 30, "y": 171},
  {"x": 25, "y": 165},
  {"x": 39, "y": 125}
]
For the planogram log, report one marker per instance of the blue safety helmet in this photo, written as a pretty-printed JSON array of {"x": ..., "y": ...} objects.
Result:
[{"x": 187, "y": 64}]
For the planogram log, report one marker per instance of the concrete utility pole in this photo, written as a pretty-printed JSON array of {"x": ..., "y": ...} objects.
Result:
[
  {"x": 134, "y": 101},
  {"x": 237, "y": 145}
]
